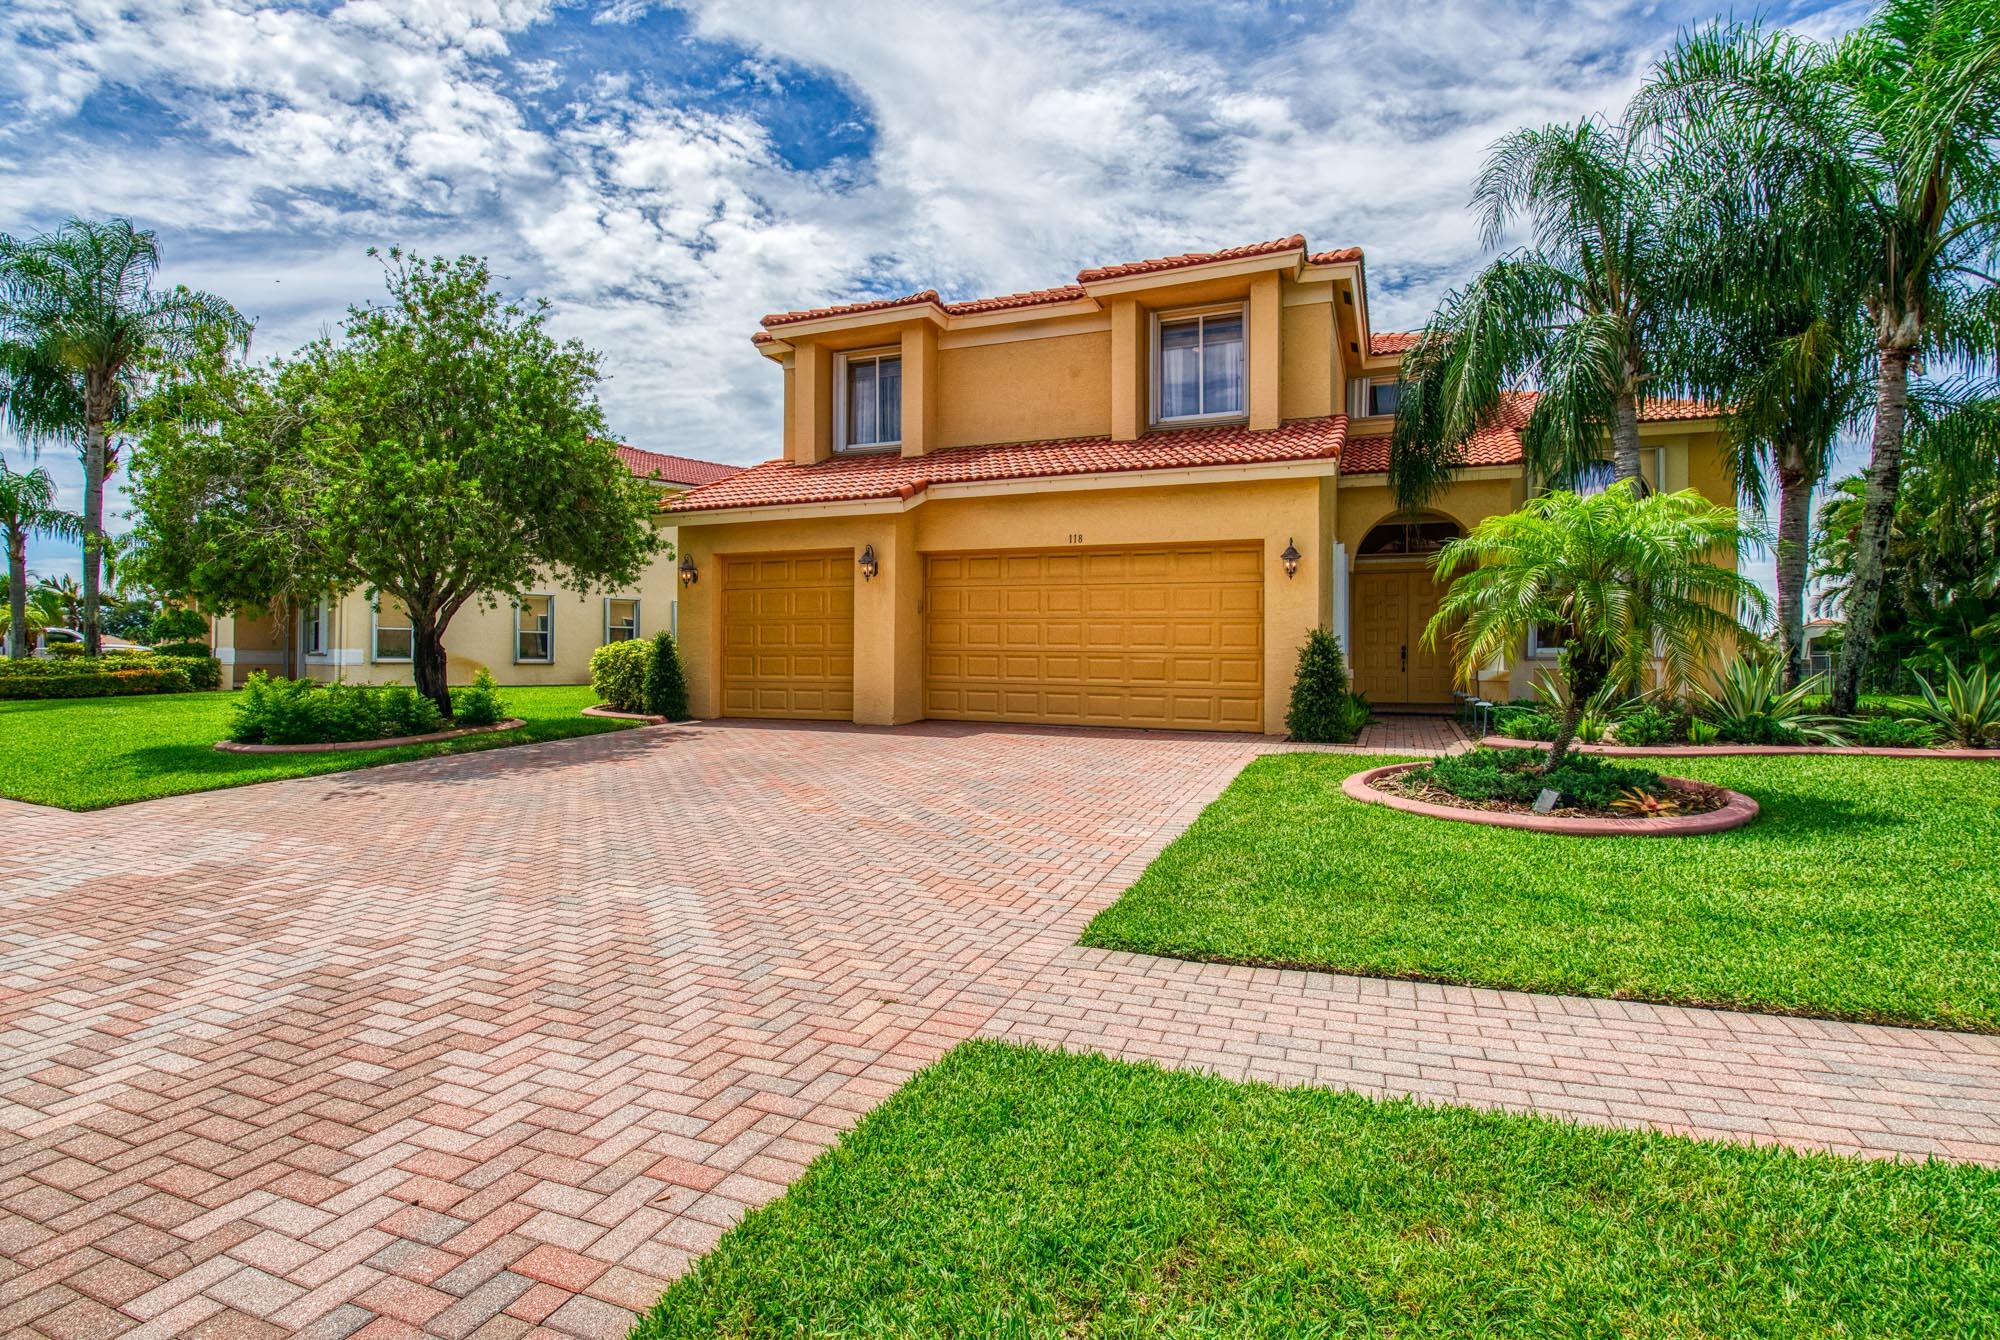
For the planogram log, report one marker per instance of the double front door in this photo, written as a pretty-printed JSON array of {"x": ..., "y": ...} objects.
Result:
[{"x": 1389, "y": 611}]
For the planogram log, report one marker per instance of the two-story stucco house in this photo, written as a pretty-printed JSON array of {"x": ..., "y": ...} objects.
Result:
[
  {"x": 1120, "y": 502},
  {"x": 545, "y": 638}
]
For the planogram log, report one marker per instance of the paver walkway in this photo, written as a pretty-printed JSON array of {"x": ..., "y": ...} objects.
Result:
[{"x": 493, "y": 1045}]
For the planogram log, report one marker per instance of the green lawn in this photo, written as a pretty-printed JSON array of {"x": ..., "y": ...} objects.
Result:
[
  {"x": 1014, "y": 1192},
  {"x": 1867, "y": 889},
  {"x": 84, "y": 754}
]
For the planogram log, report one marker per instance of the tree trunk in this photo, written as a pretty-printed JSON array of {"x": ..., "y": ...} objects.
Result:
[
  {"x": 1625, "y": 440},
  {"x": 17, "y": 592},
  {"x": 1795, "y": 486},
  {"x": 427, "y": 660},
  {"x": 1878, "y": 517},
  {"x": 1586, "y": 675},
  {"x": 96, "y": 453}
]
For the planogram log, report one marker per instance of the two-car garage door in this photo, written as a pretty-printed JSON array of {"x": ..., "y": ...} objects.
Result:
[{"x": 1156, "y": 637}]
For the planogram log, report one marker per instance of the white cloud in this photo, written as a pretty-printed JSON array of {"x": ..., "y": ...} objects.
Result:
[{"x": 1013, "y": 141}]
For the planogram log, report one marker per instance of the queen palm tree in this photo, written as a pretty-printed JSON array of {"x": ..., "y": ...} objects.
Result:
[
  {"x": 1625, "y": 575},
  {"x": 80, "y": 305},
  {"x": 1899, "y": 122},
  {"x": 1588, "y": 313},
  {"x": 27, "y": 508}
]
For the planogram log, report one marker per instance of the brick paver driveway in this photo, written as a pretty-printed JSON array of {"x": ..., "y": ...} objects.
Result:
[{"x": 499, "y": 1042}]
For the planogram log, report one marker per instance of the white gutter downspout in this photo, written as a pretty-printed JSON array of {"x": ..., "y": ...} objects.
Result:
[{"x": 1340, "y": 611}]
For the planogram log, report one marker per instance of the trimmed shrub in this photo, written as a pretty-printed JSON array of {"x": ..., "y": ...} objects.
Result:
[
  {"x": 1323, "y": 710},
  {"x": 66, "y": 651},
  {"x": 618, "y": 674},
  {"x": 305, "y": 711},
  {"x": 1877, "y": 732},
  {"x": 477, "y": 703},
  {"x": 666, "y": 691},
  {"x": 189, "y": 648},
  {"x": 177, "y": 624},
  {"x": 90, "y": 682},
  {"x": 1517, "y": 775}
]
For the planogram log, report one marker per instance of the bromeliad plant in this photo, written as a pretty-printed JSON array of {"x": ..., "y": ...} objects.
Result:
[{"x": 1626, "y": 577}]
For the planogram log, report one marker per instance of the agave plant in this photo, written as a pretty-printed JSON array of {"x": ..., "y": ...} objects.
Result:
[
  {"x": 1968, "y": 709},
  {"x": 1751, "y": 705}
]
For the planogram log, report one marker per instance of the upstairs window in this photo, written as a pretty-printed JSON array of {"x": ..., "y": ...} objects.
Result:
[
  {"x": 871, "y": 396},
  {"x": 534, "y": 630},
  {"x": 1200, "y": 373},
  {"x": 1383, "y": 396}
]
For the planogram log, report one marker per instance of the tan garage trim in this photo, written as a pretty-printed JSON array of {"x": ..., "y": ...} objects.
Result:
[
  {"x": 788, "y": 635},
  {"x": 1162, "y": 636}
]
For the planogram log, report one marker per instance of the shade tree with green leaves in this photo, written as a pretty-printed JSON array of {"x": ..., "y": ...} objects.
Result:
[
  {"x": 84, "y": 333},
  {"x": 442, "y": 449},
  {"x": 1629, "y": 579},
  {"x": 1896, "y": 127}
]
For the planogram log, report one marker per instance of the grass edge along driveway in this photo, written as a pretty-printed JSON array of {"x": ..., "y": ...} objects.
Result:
[
  {"x": 1868, "y": 889},
  {"x": 1013, "y": 1191},
  {"x": 89, "y": 753}
]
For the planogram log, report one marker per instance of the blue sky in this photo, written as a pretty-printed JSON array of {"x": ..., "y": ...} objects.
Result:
[{"x": 666, "y": 173}]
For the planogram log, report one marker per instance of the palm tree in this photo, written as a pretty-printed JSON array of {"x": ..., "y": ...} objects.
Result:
[
  {"x": 27, "y": 508},
  {"x": 80, "y": 301},
  {"x": 1625, "y": 575},
  {"x": 67, "y": 598},
  {"x": 44, "y": 610},
  {"x": 1899, "y": 122},
  {"x": 1587, "y": 314}
]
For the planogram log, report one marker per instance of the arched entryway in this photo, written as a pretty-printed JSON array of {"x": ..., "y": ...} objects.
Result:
[{"x": 1393, "y": 599}]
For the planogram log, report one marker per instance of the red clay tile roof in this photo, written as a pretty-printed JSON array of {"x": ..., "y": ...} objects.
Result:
[
  {"x": 1296, "y": 242},
  {"x": 854, "y": 478},
  {"x": 673, "y": 469},
  {"x": 1392, "y": 341},
  {"x": 1062, "y": 293},
  {"x": 1500, "y": 442}
]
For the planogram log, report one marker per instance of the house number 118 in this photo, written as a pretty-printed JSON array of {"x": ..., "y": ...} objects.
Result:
[{"x": 1076, "y": 539}]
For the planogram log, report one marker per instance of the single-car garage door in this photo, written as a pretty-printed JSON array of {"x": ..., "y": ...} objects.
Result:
[
  {"x": 1159, "y": 637},
  {"x": 788, "y": 635}
]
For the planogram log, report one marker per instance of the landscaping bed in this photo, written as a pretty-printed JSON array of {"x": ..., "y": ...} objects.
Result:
[
  {"x": 391, "y": 742},
  {"x": 1012, "y": 1191},
  {"x": 1668, "y": 806},
  {"x": 1868, "y": 889}
]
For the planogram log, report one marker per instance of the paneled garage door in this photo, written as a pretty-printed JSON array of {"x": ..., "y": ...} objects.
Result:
[
  {"x": 788, "y": 635},
  {"x": 1119, "y": 637}
]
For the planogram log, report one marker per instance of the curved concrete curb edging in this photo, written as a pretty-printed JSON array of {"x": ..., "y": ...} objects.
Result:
[
  {"x": 604, "y": 713},
  {"x": 231, "y": 747},
  {"x": 1729, "y": 750},
  {"x": 1738, "y": 810}
]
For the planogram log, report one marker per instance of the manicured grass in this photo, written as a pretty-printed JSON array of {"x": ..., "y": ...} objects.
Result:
[
  {"x": 1014, "y": 1192},
  {"x": 1867, "y": 889},
  {"x": 84, "y": 754}
]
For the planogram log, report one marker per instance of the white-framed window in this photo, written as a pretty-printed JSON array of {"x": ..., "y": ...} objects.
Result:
[
  {"x": 621, "y": 619},
  {"x": 868, "y": 394},
  {"x": 1200, "y": 366},
  {"x": 315, "y": 628},
  {"x": 535, "y": 630},
  {"x": 1545, "y": 641},
  {"x": 1372, "y": 396},
  {"x": 1597, "y": 476},
  {"x": 392, "y": 638}
]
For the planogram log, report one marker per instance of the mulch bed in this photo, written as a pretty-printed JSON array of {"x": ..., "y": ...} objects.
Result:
[{"x": 1693, "y": 798}]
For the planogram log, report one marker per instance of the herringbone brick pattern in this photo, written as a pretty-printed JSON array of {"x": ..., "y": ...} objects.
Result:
[{"x": 494, "y": 1045}]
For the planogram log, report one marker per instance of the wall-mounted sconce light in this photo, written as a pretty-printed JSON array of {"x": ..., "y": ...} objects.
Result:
[
  {"x": 689, "y": 576},
  {"x": 869, "y": 567},
  {"x": 1290, "y": 558}
]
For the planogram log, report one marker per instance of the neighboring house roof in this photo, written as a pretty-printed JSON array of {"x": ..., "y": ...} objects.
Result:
[
  {"x": 1392, "y": 341},
  {"x": 855, "y": 478},
  {"x": 684, "y": 470},
  {"x": 1500, "y": 442},
  {"x": 1062, "y": 293}
]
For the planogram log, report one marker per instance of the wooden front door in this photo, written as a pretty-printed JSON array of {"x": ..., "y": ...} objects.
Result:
[{"x": 1390, "y": 610}]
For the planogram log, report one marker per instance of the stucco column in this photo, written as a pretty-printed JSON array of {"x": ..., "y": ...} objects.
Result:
[
  {"x": 920, "y": 389},
  {"x": 700, "y": 632},
  {"x": 1291, "y": 604},
  {"x": 1129, "y": 382},
  {"x": 889, "y": 627},
  {"x": 812, "y": 404},
  {"x": 1263, "y": 351}
]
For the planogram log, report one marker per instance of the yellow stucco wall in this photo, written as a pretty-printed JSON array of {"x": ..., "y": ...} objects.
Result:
[
  {"x": 1306, "y": 390},
  {"x": 1025, "y": 390},
  {"x": 888, "y": 623}
]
